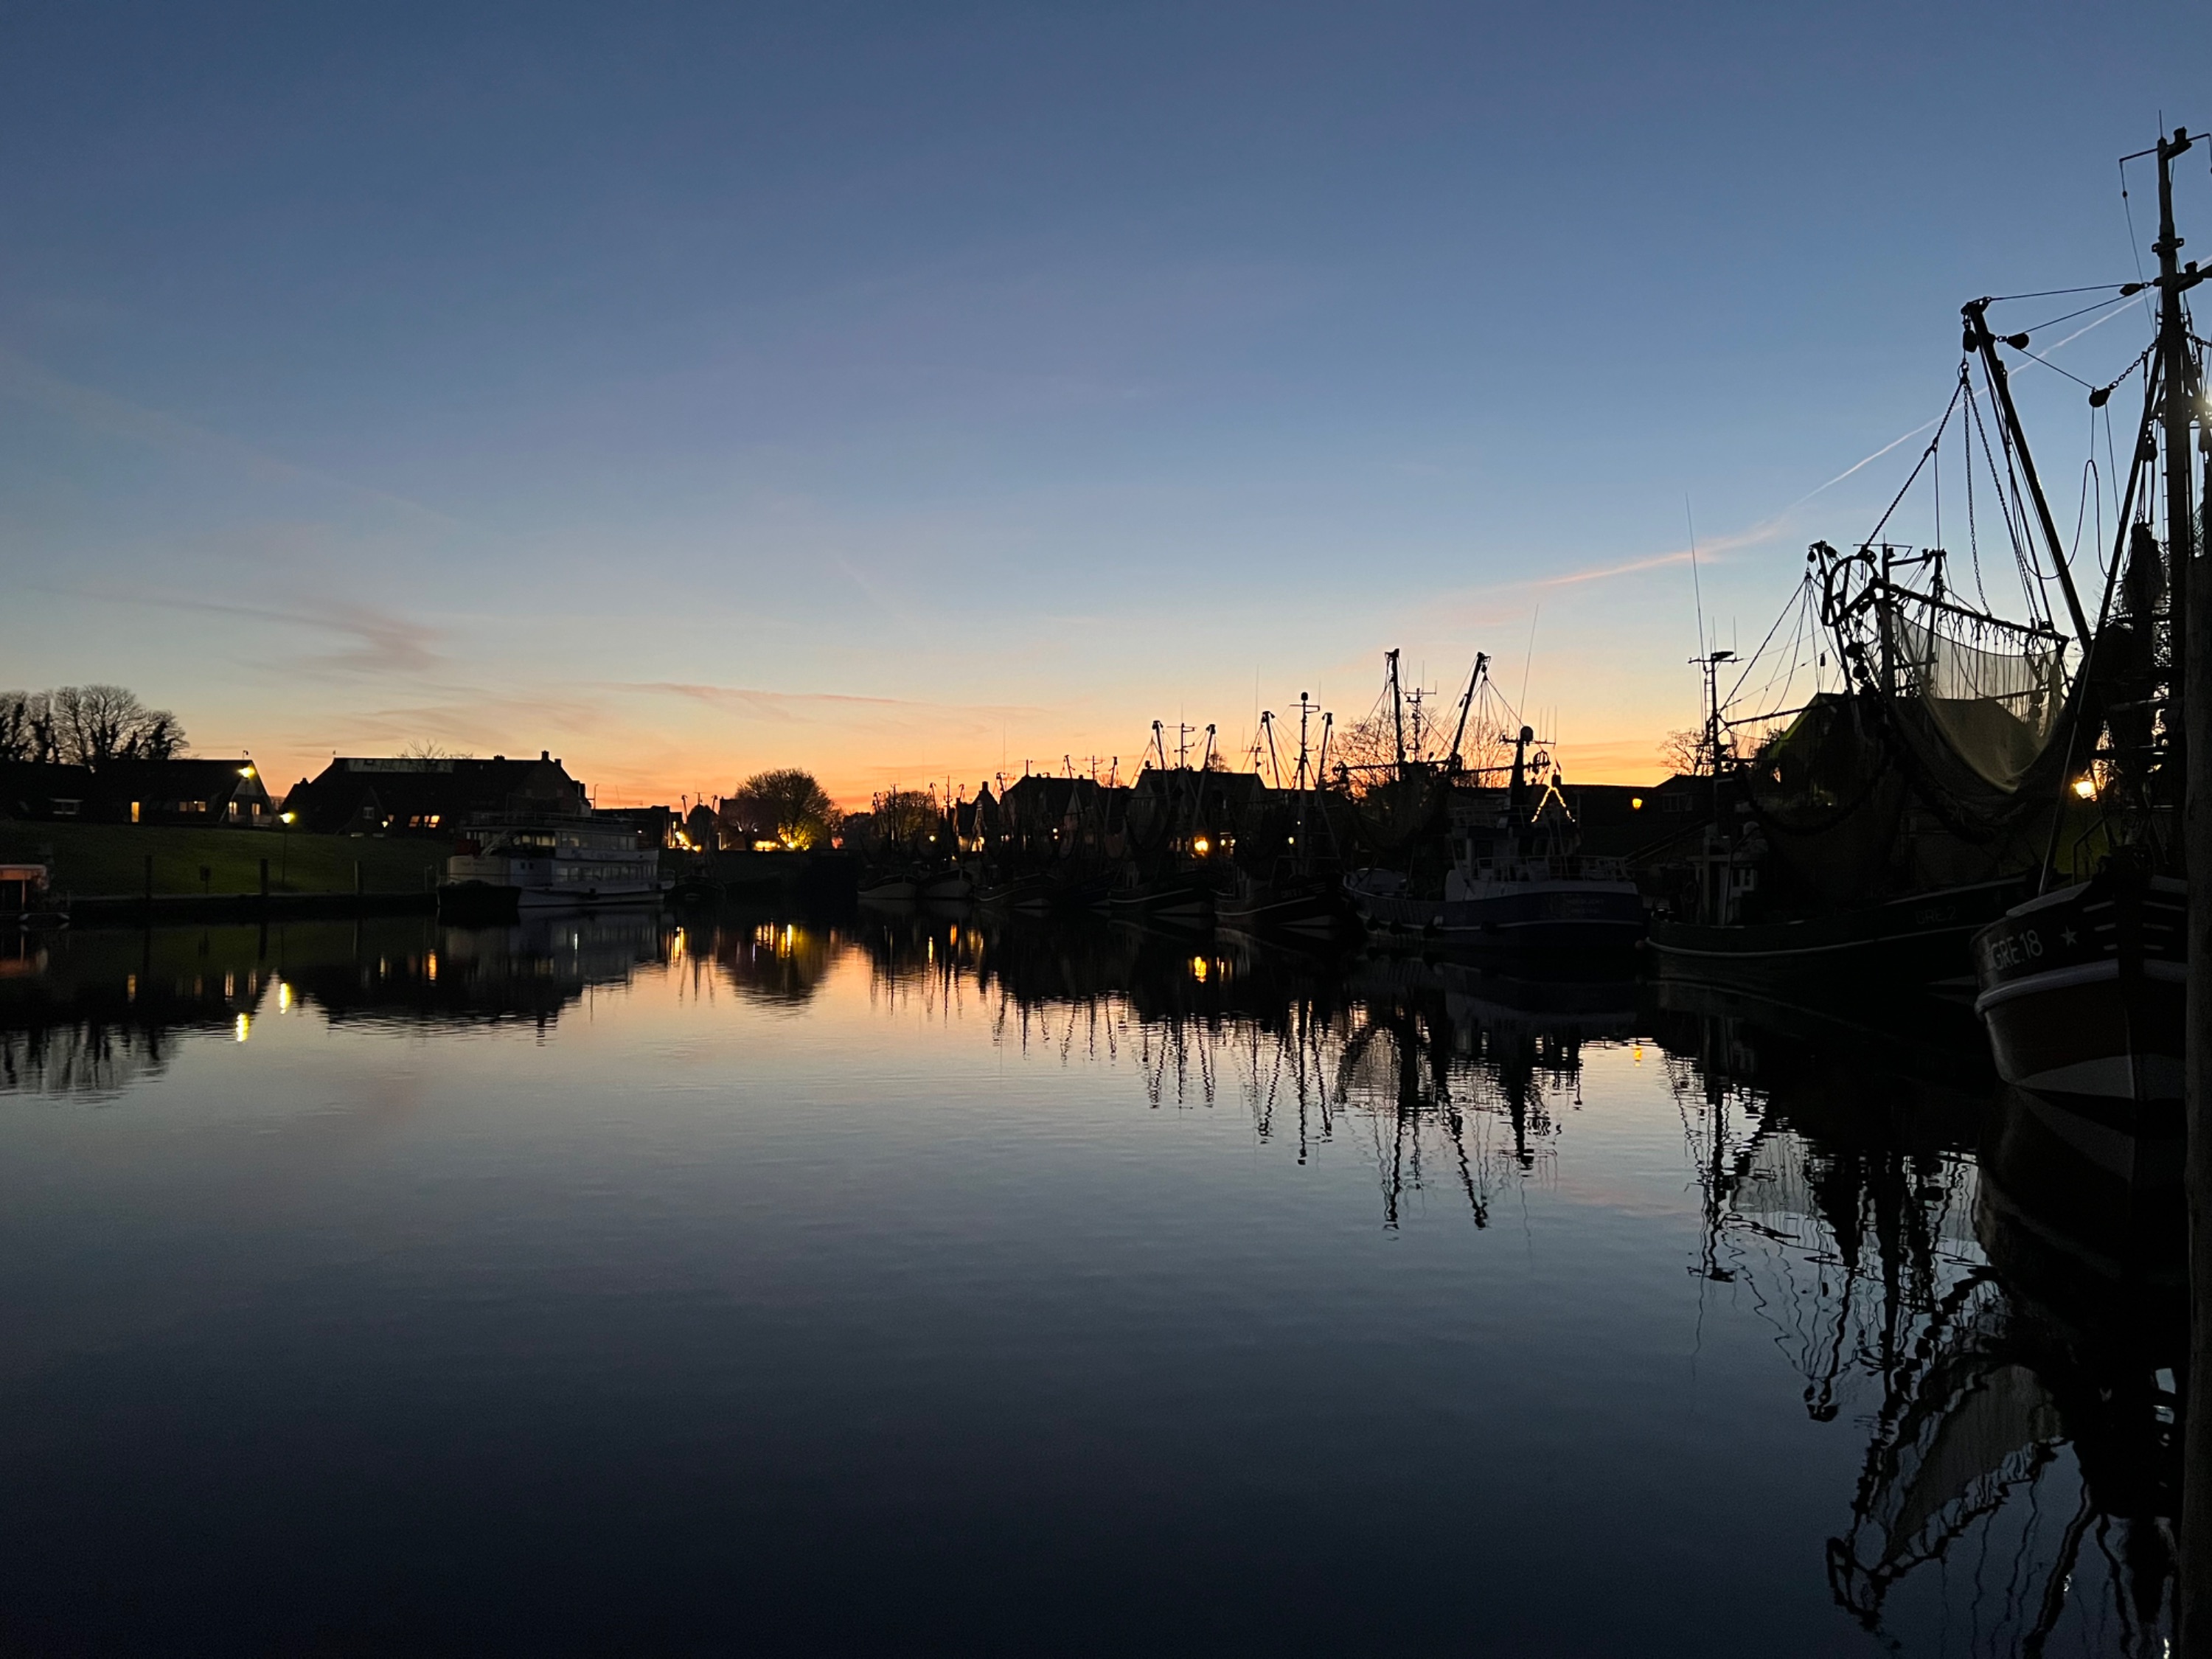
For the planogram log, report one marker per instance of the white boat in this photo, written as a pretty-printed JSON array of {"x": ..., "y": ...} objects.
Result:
[{"x": 554, "y": 863}]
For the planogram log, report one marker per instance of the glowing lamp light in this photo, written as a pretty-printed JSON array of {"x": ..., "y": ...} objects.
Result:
[
  {"x": 1635, "y": 803},
  {"x": 1199, "y": 966},
  {"x": 1202, "y": 846},
  {"x": 246, "y": 771},
  {"x": 286, "y": 817},
  {"x": 2086, "y": 786}
]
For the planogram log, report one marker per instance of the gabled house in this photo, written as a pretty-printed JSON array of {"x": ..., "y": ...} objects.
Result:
[
  {"x": 365, "y": 795},
  {"x": 206, "y": 793}
]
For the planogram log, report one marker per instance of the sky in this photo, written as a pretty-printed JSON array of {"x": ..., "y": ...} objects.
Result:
[{"x": 918, "y": 393}]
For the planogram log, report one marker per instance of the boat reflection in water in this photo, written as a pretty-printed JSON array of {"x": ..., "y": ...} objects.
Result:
[
  {"x": 1997, "y": 1318},
  {"x": 2005, "y": 1320}
]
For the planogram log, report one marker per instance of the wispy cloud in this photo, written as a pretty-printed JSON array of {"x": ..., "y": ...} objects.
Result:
[
  {"x": 378, "y": 640},
  {"x": 103, "y": 412},
  {"x": 797, "y": 705}
]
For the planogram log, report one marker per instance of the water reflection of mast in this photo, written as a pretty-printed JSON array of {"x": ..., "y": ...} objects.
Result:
[{"x": 1990, "y": 1400}]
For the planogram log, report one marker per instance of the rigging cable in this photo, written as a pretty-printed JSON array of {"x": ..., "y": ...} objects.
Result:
[
  {"x": 2068, "y": 317},
  {"x": 1921, "y": 462},
  {"x": 2055, "y": 292},
  {"x": 1973, "y": 532}
]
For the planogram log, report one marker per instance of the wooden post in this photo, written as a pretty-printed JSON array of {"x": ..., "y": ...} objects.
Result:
[
  {"x": 265, "y": 881},
  {"x": 357, "y": 888}
]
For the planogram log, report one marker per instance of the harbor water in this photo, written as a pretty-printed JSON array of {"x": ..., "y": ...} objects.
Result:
[{"x": 913, "y": 1283}]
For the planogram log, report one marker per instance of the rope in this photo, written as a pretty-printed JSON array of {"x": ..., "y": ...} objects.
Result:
[{"x": 1923, "y": 461}]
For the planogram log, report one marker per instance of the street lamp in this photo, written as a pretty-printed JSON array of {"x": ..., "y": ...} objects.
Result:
[{"x": 284, "y": 847}]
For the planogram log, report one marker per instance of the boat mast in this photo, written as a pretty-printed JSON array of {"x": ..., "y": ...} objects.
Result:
[
  {"x": 2175, "y": 415},
  {"x": 1979, "y": 339},
  {"x": 1305, "y": 714},
  {"x": 1467, "y": 702},
  {"x": 1397, "y": 709},
  {"x": 2189, "y": 630}
]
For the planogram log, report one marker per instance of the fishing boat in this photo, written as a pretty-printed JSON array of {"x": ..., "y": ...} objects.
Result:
[
  {"x": 1180, "y": 897},
  {"x": 1032, "y": 895},
  {"x": 1286, "y": 879},
  {"x": 2084, "y": 988},
  {"x": 953, "y": 886},
  {"x": 2082, "y": 992},
  {"x": 1531, "y": 888},
  {"x": 550, "y": 862},
  {"x": 1311, "y": 907},
  {"x": 1930, "y": 776}
]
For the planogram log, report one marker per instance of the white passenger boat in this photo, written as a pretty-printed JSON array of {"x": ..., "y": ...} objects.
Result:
[{"x": 553, "y": 862}]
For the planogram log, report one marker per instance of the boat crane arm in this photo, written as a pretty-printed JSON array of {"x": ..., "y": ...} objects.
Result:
[
  {"x": 1466, "y": 702},
  {"x": 1980, "y": 340}
]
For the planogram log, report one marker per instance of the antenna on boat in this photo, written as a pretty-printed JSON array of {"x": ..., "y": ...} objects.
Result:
[{"x": 1697, "y": 586}]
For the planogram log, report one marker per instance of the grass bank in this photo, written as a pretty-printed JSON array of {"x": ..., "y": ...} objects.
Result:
[{"x": 90, "y": 859}]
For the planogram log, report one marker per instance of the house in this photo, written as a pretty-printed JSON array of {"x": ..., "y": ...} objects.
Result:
[
  {"x": 188, "y": 791},
  {"x": 364, "y": 795},
  {"x": 38, "y": 791},
  {"x": 207, "y": 792}
]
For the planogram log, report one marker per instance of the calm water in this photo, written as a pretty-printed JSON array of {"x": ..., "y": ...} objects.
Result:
[{"x": 609, "y": 1285}]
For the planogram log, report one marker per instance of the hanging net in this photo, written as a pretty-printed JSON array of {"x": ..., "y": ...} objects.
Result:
[{"x": 1993, "y": 689}]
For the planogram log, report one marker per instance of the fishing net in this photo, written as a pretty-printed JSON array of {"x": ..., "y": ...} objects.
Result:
[{"x": 1996, "y": 698}]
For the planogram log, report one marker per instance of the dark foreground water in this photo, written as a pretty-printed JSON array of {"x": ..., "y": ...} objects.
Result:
[{"x": 611, "y": 1285}]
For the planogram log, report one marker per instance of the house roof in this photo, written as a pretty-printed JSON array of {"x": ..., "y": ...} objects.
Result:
[{"x": 178, "y": 780}]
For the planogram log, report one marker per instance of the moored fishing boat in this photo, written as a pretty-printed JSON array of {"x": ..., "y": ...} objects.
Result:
[
  {"x": 1311, "y": 907},
  {"x": 1572, "y": 903},
  {"x": 2084, "y": 988},
  {"x": 2081, "y": 991},
  {"x": 954, "y": 886},
  {"x": 1919, "y": 939},
  {"x": 1181, "y": 898},
  {"x": 1033, "y": 895}
]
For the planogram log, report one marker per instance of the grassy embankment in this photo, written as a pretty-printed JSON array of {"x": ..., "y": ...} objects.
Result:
[{"x": 103, "y": 859}]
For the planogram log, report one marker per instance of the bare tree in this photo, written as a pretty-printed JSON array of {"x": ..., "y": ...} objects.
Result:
[
  {"x": 1684, "y": 752},
  {"x": 907, "y": 816},
  {"x": 86, "y": 725},
  {"x": 20, "y": 713}
]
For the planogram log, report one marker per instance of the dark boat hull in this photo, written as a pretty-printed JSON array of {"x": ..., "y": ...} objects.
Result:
[
  {"x": 1553, "y": 919},
  {"x": 1032, "y": 895},
  {"x": 1312, "y": 910},
  {"x": 2081, "y": 991},
  {"x": 1919, "y": 940},
  {"x": 1180, "y": 899}
]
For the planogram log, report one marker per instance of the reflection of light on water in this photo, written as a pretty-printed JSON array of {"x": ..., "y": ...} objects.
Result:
[
  {"x": 1198, "y": 968},
  {"x": 430, "y": 967},
  {"x": 283, "y": 997},
  {"x": 245, "y": 1026}
]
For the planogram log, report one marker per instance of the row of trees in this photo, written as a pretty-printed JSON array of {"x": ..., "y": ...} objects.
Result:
[{"x": 86, "y": 725}]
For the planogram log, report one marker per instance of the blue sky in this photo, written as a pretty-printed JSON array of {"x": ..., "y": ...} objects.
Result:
[{"x": 907, "y": 391}]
